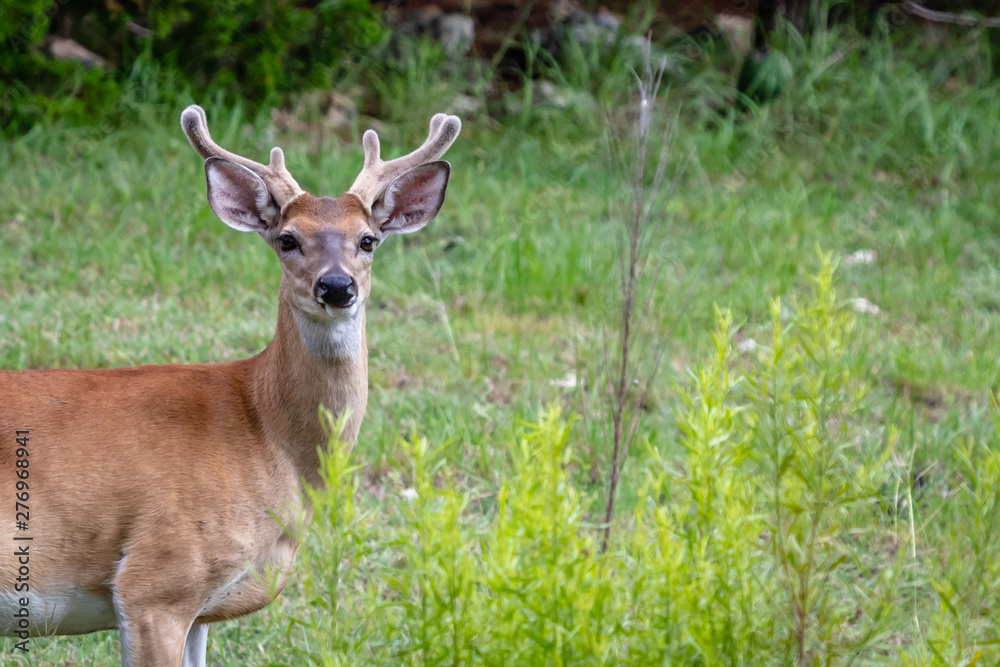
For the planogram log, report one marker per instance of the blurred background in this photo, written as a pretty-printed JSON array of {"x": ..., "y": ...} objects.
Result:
[
  {"x": 72, "y": 60},
  {"x": 808, "y": 469}
]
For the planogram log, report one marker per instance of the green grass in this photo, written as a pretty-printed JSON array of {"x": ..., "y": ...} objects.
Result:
[{"x": 110, "y": 256}]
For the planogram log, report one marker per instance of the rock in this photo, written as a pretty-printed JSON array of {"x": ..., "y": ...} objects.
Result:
[
  {"x": 600, "y": 27},
  {"x": 414, "y": 21},
  {"x": 67, "y": 49},
  {"x": 338, "y": 111},
  {"x": 560, "y": 97},
  {"x": 542, "y": 90},
  {"x": 568, "y": 18},
  {"x": 589, "y": 33},
  {"x": 138, "y": 30},
  {"x": 605, "y": 20},
  {"x": 465, "y": 105},
  {"x": 567, "y": 12},
  {"x": 738, "y": 31},
  {"x": 859, "y": 257},
  {"x": 455, "y": 32},
  {"x": 567, "y": 381},
  {"x": 864, "y": 306},
  {"x": 547, "y": 95},
  {"x": 320, "y": 111}
]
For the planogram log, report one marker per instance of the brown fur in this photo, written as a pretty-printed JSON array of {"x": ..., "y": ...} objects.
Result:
[
  {"x": 177, "y": 468},
  {"x": 163, "y": 490}
]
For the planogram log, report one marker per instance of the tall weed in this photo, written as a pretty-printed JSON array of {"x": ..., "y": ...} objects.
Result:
[{"x": 766, "y": 539}]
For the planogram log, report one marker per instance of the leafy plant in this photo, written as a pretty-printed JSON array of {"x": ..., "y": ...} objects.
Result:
[
  {"x": 258, "y": 51},
  {"x": 741, "y": 551}
]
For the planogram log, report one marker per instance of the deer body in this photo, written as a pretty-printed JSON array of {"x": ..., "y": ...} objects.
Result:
[{"x": 158, "y": 494}]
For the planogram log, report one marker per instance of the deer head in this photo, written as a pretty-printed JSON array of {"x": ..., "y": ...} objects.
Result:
[{"x": 326, "y": 244}]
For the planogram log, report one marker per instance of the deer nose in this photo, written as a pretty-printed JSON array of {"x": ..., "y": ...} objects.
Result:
[{"x": 337, "y": 290}]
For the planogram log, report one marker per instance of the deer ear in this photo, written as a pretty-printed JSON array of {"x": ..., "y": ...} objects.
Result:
[
  {"x": 412, "y": 199},
  {"x": 239, "y": 197}
]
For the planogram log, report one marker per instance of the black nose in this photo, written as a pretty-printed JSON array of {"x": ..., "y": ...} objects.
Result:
[{"x": 336, "y": 290}]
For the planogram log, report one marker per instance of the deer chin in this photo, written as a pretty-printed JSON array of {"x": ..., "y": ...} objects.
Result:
[
  {"x": 334, "y": 314},
  {"x": 336, "y": 333},
  {"x": 339, "y": 312},
  {"x": 315, "y": 309}
]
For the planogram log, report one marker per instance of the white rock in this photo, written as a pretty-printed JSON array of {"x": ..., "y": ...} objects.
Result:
[
  {"x": 861, "y": 257},
  {"x": 864, "y": 306},
  {"x": 456, "y": 33},
  {"x": 67, "y": 49},
  {"x": 738, "y": 31},
  {"x": 567, "y": 381}
]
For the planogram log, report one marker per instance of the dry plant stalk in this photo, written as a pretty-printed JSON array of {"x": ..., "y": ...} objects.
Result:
[{"x": 641, "y": 205}]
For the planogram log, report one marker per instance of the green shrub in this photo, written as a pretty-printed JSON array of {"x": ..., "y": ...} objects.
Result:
[
  {"x": 21, "y": 25},
  {"x": 967, "y": 590},
  {"x": 256, "y": 50},
  {"x": 744, "y": 549},
  {"x": 260, "y": 49},
  {"x": 37, "y": 87}
]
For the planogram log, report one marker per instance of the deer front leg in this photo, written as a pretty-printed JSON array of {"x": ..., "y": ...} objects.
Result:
[
  {"x": 196, "y": 646},
  {"x": 155, "y": 615},
  {"x": 152, "y": 638}
]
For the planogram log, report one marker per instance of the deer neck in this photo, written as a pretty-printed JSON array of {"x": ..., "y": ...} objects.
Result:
[{"x": 308, "y": 364}]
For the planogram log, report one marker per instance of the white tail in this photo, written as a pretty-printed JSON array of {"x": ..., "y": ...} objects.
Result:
[{"x": 148, "y": 493}]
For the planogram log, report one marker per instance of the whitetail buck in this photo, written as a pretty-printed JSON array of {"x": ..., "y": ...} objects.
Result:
[{"x": 148, "y": 494}]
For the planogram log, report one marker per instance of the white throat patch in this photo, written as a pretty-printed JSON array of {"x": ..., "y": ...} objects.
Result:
[{"x": 339, "y": 338}]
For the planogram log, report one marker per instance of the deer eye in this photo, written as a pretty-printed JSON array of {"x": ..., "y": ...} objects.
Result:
[
  {"x": 368, "y": 243},
  {"x": 287, "y": 243}
]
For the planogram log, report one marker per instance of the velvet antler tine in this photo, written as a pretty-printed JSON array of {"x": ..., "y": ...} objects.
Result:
[
  {"x": 196, "y": 128},
  {"x": 276, "y": 177},
  {"x": 277, "y": 159},
  {"x": 436, "y": 121},
  {"x": 376, "y": 174},
  {"x": 372, "y": 149}
]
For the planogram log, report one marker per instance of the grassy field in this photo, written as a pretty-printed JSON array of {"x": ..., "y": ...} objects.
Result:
[{"x": 879, "y": 154}]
